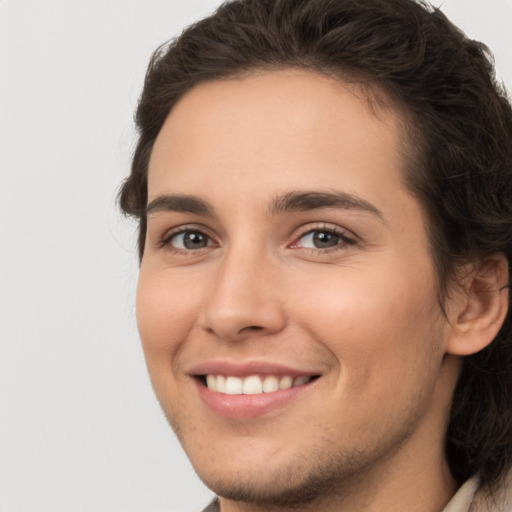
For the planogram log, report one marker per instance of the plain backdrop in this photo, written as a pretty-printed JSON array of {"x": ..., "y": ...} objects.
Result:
[{"x": 80, "y": 430}]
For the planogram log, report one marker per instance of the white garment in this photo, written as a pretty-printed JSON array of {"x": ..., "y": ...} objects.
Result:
[
  {"x": 462, "y": 499},
  {"x": 469, "y": 498}
]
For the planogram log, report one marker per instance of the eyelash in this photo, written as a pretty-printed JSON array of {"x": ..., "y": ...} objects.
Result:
[
  {"x": 344, "y": 239},
  {"x": 166, "y": 240},
  {"x": 343, "y": 242}
]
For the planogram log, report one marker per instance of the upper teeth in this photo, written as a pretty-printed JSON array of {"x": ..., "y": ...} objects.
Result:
[{"x": 253, "y": 384}]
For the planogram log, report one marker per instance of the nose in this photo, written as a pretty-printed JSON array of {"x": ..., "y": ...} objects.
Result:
[{"x": 244, "y": 299}]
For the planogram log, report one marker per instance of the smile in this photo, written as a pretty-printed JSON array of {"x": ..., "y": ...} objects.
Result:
[
  {"x": 244, "y": 390},
  {"x": 253, "y": 384}
]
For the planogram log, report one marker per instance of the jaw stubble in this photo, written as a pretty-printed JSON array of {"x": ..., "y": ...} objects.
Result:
[{"x": 318, "y": 473}]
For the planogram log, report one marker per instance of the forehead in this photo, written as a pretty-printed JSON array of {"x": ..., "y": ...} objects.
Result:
[{"x": 287, "y": 124}]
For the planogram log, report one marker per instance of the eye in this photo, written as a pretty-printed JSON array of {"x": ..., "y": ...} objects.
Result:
[
  {"x": 320, "y": 239},
  {"x": 189, "y": 240},
  {"x": 325, "y": 238}
]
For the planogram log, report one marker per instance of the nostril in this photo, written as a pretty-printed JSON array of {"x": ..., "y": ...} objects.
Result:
[
  {"x": 235, "y": 323},
  {"x": 252, "y": 328}
]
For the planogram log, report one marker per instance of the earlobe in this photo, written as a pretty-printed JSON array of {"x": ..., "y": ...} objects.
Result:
[{"x": 480, "y": 306}]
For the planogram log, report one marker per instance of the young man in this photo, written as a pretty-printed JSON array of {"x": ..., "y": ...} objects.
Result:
[{"x": 324, "y": 189}]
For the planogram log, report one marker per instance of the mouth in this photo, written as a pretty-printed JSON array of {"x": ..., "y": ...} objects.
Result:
[
  {"x": 253, "y": 384},
  {"x": 248, "y": 390}
]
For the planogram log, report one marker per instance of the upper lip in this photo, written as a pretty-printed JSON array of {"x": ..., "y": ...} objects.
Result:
[{"x": 244, "y": 369}]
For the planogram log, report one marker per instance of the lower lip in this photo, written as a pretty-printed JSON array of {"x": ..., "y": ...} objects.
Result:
[{"x": 248, "y": 406}]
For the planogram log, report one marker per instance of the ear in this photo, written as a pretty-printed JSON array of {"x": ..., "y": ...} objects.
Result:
[{"x": 478, "y": 308}]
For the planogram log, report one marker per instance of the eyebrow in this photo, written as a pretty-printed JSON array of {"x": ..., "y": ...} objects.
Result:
[
  {"x": 304, "y": 201},
  {"x": 294, "y": 201},
  {"x": 179, "y": 203}
]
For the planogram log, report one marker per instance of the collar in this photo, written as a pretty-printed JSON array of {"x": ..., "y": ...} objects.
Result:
[{"x": 463, "y": 498}]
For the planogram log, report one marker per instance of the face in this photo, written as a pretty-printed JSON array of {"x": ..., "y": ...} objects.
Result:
[{"x": 287, "y": 302}]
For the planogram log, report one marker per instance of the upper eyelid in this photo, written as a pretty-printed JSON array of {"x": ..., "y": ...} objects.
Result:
[
  {"x": 186, "y": 227},
  {"x": 168, "y": 234},
  {"x": 323, "y": 226},
  {"x": 294, "y": 237}
]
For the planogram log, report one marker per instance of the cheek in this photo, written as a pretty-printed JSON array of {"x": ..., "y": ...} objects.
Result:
[
  {"x": 165, "y": 317},
  {"x": 165, "y": 314},
  {"x": 380, "y": 326}
]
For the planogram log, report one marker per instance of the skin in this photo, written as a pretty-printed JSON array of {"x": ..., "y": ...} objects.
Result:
[{"x": 363, "y": 314}]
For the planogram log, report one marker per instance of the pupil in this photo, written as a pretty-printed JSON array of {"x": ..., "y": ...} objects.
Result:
[
  {"x": 324, "y": 239},
  {"x": 194, "y": 240}
]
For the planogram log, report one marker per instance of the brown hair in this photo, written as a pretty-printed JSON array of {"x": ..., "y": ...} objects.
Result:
[{"x": 460, "y": 125}]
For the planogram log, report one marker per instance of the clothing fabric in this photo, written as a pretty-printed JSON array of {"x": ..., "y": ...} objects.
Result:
[
  {"x": 213, "y": 506},
  {"x": 469, "y": 498},
  {"x": 462, "y": 499}
]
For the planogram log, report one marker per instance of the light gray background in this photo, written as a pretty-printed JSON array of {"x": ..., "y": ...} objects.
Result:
[{"x": 80, "y": 430}]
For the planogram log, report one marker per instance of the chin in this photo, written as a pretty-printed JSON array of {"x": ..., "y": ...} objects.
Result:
[
  {"x": 280, "y": 492},
  {"x": 306, "y": 478}
]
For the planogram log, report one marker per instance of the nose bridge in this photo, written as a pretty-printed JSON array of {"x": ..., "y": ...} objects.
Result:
[{"x": 244, "y": 295}]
